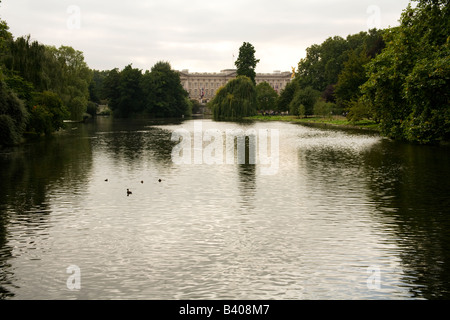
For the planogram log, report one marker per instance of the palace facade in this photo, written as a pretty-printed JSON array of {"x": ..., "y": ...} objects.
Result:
[{"x": 203, "y": 86}]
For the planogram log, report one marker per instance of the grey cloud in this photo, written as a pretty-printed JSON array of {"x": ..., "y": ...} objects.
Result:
[{"x": 199, "y": 33}]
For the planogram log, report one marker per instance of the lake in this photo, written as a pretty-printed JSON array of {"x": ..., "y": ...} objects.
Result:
[{"x": 312, "y": 213}]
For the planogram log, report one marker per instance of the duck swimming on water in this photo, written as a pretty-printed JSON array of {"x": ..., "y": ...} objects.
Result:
[{"x": 129, "y": 192}]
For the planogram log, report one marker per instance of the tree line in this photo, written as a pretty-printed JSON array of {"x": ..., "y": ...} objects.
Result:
[
  {"x": 154, "y": 93},
  {"x": 399, "y": 77},
  {"x": 327, "y": 80},
  {"x": 41, "y": 86}
]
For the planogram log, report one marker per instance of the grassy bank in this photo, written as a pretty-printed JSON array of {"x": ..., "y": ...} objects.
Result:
[{"x": 333, "y": 121}]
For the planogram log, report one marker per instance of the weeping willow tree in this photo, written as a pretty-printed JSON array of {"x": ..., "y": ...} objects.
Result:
[{"x": 237, "y": 99}]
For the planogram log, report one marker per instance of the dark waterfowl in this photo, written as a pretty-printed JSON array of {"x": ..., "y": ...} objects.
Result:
[{"x": 129, "y": 192}]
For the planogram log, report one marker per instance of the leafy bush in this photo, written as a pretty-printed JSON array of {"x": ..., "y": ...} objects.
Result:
[
  {"x": 306, "y": 97},
  {"x": 41, "y": 120},
  {"x": 357, "y": 111},
  {"x": 323, "y": 108},
  {"x": 266, "y": 96},
  {"x": 48, "y": 112}
]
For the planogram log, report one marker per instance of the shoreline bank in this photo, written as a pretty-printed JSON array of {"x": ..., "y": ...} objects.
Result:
[{"x": 335, "y": 121}]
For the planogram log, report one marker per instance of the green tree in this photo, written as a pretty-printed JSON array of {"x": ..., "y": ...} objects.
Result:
[
  {"x": 165, "y": 95},
  {"x": 13, "y": 116},
  {"x": 237, "y": 99},
  {"x": 266, "y": 96},
  {"x": 21, "y": 87},
  {"x": 286, "y": 95},
  {"x": 351, "y": 78},
  {"x": 322, "y": 64},
  {"x": 408, "y": 81},
  {"x": 323, "y": 108},
  {"x": 96, "y": 92},
  {"x": 358, "y": 110},
  {"x": 5, "y": 37},
  {"x": 129, "y": 94},
  {"x": 26, "y": 59},
  {"x": 303, "y": 102},
  {"x": 48, "y": 105},
  {"x": 246, "y": 61},
  {"x": 110, "y": 88},
  {"x": 76, "y": 77}
]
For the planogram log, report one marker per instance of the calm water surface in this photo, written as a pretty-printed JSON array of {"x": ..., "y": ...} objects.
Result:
[{"x": 348, "y": 215}]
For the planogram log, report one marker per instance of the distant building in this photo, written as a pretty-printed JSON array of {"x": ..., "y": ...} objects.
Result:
[{"x": 203, "y": 86}]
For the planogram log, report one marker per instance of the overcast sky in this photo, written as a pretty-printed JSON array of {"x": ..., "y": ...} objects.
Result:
[{"x": 201, "y": 36}]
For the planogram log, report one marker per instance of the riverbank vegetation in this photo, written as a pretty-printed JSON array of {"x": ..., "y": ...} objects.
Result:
[
  {"x": 154, "y": 93},
  {"x": 395, "y": 79},
  {"x": 398, "y": 78},
  {"x": 41, "y": 86}
]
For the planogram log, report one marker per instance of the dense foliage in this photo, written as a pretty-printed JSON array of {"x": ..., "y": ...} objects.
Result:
[
  {"x": 398, "y": 77},
  {"x": 303, "y": 102},
  {"x": 408, "y": 84},
  {"x": 237, "y": 99},
  {"x": 336, "y": 67},
  {"x": 156, "y": 93},
  {"x": 246, "y": 61},
  {"x": 13, "y": 116},
  {"x": 41, "y": 86},
  {"x": 44, "y": 68},
  {"x": 266, "y": 97}
]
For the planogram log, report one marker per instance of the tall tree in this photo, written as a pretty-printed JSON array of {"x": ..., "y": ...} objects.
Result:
[
  {"x": 322, "y": 63},
  {"x": 48, "y": 113},
  {"x": 5, "y": 37},
  {"x": 111, "y": 88},
  {"x": 96, "y": 93},
  {"x": 237, "y": 99},
  {"x": 246, "y": 61},
  {"x": 303, "y": 101},
  {"x": 13, "y": 116},
  {"x": 286, "y": 95},
  {"x": 352, "y": 77},
  {"x": 131, "y": 95},
  {"x": 76, "y": 77},
  {"x": 165, "y": 95},
  {"x": 266, "y": 96},
  {"x": 409, "y": 80},
  {"x": 26, "y": 59}
]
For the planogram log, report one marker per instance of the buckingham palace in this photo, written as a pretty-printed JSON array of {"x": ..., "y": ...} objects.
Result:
[{"x": 203, "y": 86}]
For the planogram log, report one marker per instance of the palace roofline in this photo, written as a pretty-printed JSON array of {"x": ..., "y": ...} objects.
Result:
[{"x": 226, "y": 72}]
